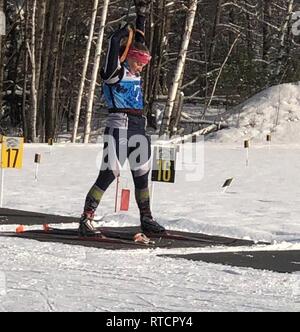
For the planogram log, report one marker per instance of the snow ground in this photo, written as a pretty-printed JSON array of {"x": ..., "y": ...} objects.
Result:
[
  {"x": 262, "y": 204},
  {"x": 44, "y": 277}
]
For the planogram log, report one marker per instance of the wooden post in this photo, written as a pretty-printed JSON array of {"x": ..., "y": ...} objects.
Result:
[
  {"x": 117, "y": 193},
  {"x": 37, "y": 160},
  {"x": 50, "y": 143},
  {"x": 246, "y": 146},
  {"x": 269, "y": 139}
]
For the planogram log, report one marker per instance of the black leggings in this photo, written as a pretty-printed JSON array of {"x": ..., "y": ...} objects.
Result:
[
  {"x": 122, "y": 144},
  {"x": 119, "y": 145}
]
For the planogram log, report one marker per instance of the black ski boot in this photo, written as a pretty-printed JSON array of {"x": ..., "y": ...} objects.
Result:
[
  {"x": 86, "y": 227},
  {"x": 150, "y": 225}
]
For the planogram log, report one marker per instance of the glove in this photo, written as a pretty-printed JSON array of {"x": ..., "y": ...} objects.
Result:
[
  {"x": 124, "y": 29},
  {"x": 126, "y": 26},
  {"x": 142, "y": 7}
]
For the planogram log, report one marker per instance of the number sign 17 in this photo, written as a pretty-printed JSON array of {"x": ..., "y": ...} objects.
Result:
[{"x": 12, "y": 152}]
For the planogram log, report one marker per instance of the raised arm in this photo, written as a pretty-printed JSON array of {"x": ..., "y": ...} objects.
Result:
[
  {"x": 112, "y": 70},
  {"x": 112, "y": 65},
  {"x": 142, "y": 10},
  {"x": 140, "y": 29}
]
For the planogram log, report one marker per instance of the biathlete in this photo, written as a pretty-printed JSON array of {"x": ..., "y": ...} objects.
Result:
[{"x": 125, "y": 133}]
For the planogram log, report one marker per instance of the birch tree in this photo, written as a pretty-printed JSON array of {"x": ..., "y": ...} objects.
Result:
[
  {"x": 44, "y": 57},
  {"x": 87, "y": 129},
  {"x": 84, "y": 71},
  {"x": 180, "y": 66}
]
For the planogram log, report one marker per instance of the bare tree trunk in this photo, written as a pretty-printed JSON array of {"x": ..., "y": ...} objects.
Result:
[
  {"x": 24, "y": 99},
  {"x": 159, "y": 40},
  {"x": 41, "y": 12},
  {"x": 177, "y": 115},
  {"x": 214, "y": 32},
  {"x": 267, "y": 14},
  {"x": 87, "y": 129},
  {"x": 159, "y": 48},
  {"x": 33, "y": 106},
  {"x": 2, "y": 33},
  {"x": 51, "y": 83},
  {"x": 84, "y": 71},
  {"x": 58, "y": 66},
  {"x": 25, "y": 127},
  {"x": 147, "y": 88},
  {"x": 59, "y": 106},
  {"x": 221, "y": 71},
  {"x": 40, "y": 35},
  {"x": 249, "y": 36},
  {"x": 47, "y": 44},
  {"x": 180, "y": 65},
  {"x": 232, "y": 17},
  {"x": 284, "y": 35},
  {"x": 177, "y": 109}
]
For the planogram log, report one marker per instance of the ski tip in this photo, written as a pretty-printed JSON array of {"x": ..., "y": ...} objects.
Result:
[
  {"x": 46, "y": 228},
  {"x": 20, "y": 229}
]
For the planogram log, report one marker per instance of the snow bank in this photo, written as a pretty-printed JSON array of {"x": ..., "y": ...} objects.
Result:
[{"x": 275, "y": 110}]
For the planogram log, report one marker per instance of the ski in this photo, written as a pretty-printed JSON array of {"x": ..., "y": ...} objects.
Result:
[
  {"x": 72, "y": 235},
  {"x": 165, "y": 235},
  {"x": 219, "y": 240},
  {"x": 172, "y": 236},
  {"x": 137, "y": 237},
  {"x": 179, "y": 236},
  {"x": 103, "y": 239},
  {"x": 169, "y": 234}
]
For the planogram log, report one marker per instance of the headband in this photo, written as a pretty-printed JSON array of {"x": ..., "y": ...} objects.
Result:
[{"x": 140, "y": 56}]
